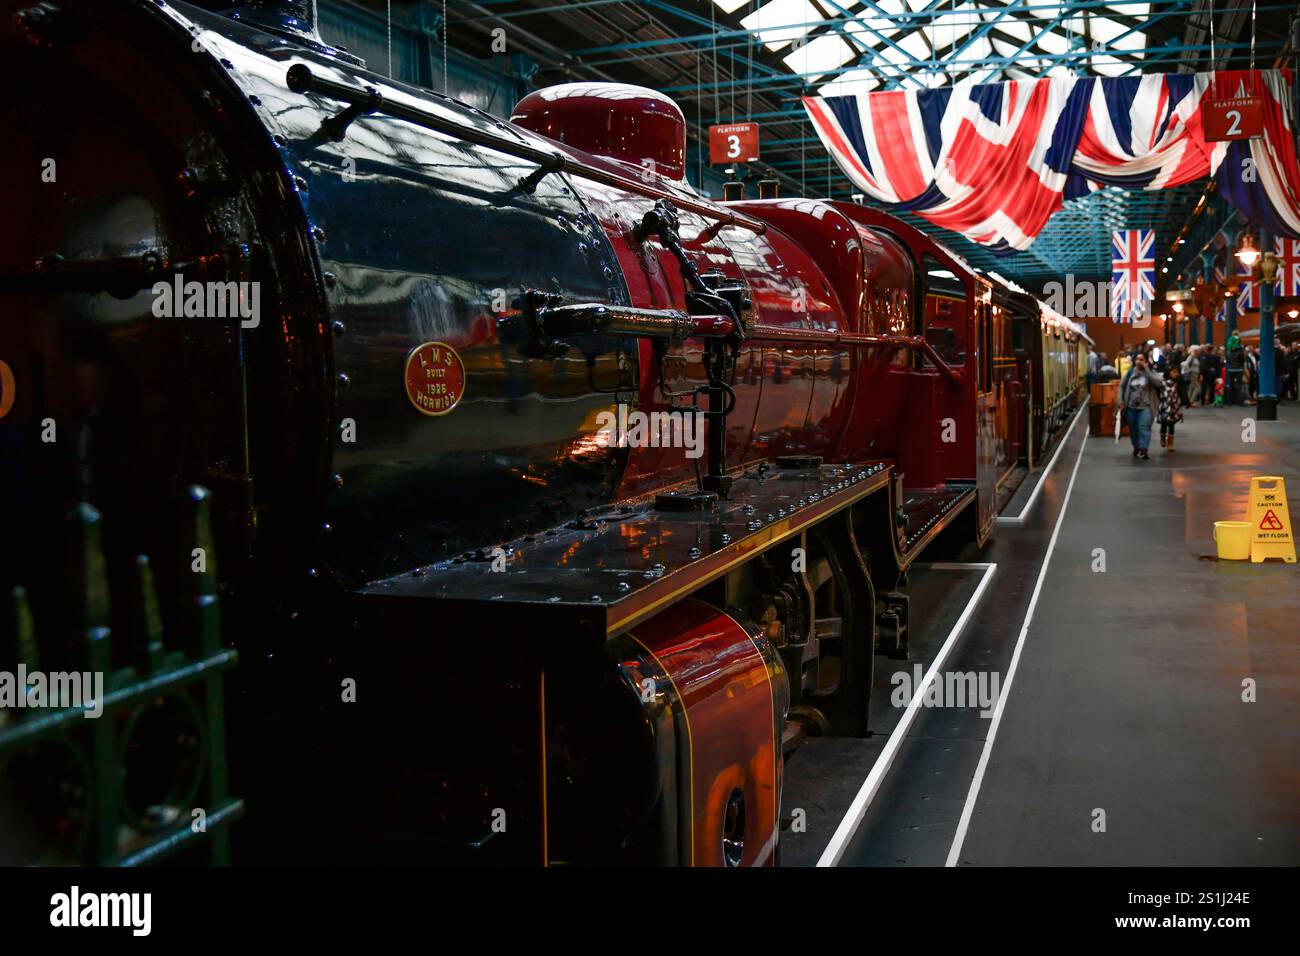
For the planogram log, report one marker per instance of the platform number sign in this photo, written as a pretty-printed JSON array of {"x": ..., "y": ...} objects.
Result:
[
  {"x": 1233, "y": 117},
  {"x": 733, "y": 143}
]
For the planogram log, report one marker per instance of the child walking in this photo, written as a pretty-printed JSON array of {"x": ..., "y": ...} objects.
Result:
[{"x": 1171, "y": 409}]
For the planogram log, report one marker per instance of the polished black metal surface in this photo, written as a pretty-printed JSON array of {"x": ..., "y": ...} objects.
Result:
[{"x": 612, "y": 567}]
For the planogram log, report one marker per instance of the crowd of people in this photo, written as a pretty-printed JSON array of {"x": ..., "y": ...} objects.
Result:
[{"x": 1156, "y": 384}]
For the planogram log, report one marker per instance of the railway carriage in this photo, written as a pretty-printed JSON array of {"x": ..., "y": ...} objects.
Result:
[
  {"x": 1050, "y": 356},
  {"x": 474, "y": 625}
]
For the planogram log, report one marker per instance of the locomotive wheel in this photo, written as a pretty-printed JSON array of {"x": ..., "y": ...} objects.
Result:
[{"x": 843, "y": 589}]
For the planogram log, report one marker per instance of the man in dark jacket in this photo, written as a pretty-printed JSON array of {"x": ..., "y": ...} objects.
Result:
[
  {"x": 1139, "y": 396},
  {"x": 1291, "y": 372},
  {"x": 1235, "y": 383},
  {"x": 1211, "y": 367}
]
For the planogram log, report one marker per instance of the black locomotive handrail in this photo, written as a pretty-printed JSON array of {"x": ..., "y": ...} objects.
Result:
[
  {"x": 600, "y": 319},
  {"x": 546, "y": 322},
  {"x": 301, "y": 79}
]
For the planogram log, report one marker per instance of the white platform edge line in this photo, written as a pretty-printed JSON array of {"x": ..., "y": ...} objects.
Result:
[
  {"x": 848, "y": 826},
  {"x": 1042, "y": 475},
  {"x": 963, "y": 825}
]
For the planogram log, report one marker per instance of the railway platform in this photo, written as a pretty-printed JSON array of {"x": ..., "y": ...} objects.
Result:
[{"x": 1148, "y": 694}]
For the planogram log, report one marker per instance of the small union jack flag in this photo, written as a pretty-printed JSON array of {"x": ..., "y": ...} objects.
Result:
[
  {"x": 1246, "y": 297},
  {"x": 1288, "y": 266},
  {"x": 1133, "y": 272},
  {"x": 1220, "y": 276}
]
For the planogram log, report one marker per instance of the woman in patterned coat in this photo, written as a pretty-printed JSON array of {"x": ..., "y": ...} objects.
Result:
[{"x": 1171, "y": 408}]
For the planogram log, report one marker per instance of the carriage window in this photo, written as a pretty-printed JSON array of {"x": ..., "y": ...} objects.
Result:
[{"x": 945, "y": 311}]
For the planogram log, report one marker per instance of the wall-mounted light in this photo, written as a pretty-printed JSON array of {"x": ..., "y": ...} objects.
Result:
[
  {"x": 1165, "y": 271},
  {"x": 1178, "y": 307},
  {"x": 1247, "y": 252},
  {"x": 1293, "y": 314}
]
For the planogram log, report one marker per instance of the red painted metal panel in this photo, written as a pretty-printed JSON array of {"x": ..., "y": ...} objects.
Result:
[{"x": 732, "y": 703}]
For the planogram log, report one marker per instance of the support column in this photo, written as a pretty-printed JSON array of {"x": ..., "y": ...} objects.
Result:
[
  {"x": 1230, "y": 237},
  {"x": 1266, "y": 401},
  {"x": 1207, "y": 261}
]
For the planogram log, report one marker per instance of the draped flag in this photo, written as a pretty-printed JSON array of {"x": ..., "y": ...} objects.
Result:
[
  {"x": 1133, "y": 272},
  {"x": 1288, "y": 266},
  {"x": 994, "y": 161}
]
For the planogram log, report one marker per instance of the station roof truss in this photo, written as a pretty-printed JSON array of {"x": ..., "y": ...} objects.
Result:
[{"x": 733, "y": 60}]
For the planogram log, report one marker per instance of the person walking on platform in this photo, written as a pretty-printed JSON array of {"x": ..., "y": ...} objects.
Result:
[
  {"x": 1094, "y": 365},
  {"x": 1210, "y": 365},
  {"x": 1139, "y": 394},
  {"x": 1235, "y": 358},
  {"x": 1279, "y": 370},
  {"x": 1190, "y": 376},
  {"x": 1291, "y": 372},
  {"x": 1171, "y": 407},
  {"x": 1122, "y": 362}
]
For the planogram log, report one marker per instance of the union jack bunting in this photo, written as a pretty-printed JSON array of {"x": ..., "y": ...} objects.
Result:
[
  {"x": 1133, "y": 272},
  {"x": 994, "y": 161},
  {"x": 1288, "y": 266}
]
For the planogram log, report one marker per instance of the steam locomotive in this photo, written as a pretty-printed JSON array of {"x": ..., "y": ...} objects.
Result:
[{"x": 383, "y": 329}]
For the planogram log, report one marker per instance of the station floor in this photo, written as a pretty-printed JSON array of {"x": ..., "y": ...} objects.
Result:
[{"x": 1123, "y": 737}]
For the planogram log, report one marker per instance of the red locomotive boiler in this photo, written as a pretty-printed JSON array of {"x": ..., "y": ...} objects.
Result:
[{"x": 563, "y": 647}]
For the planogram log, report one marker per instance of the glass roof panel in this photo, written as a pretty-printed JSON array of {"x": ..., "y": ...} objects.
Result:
[
  {"x": 914, "y": 43},
  {"x": 1105, "y": 30},
  {"x": 891, "y": 55},
  {"x": 869, "y": 30},
  {"x": 1134, "y": 41},
  {"x": 1107, "y": 65},
  {"x": 850, "y": 84},
  {"x": 1015, "y": 28},
  {"x": 820, "y": 55},
  {"x": 1053, "y": 43},
  {"x": 778, "y": 22},
  {"x": 904, "y": 45}
]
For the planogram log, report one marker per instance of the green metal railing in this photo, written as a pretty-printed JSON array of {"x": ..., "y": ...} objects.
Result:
[{"x": 147, "y": 778}]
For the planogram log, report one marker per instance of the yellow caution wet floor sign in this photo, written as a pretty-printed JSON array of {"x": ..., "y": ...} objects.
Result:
[{"x": 1270, "y": 522}]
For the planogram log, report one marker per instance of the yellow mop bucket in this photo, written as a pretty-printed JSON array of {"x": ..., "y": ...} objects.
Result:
[{"x": 1233, "y": 539}]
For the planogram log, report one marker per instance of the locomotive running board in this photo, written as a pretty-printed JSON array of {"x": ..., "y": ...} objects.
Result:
[{"x": 606, "y": 572}]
